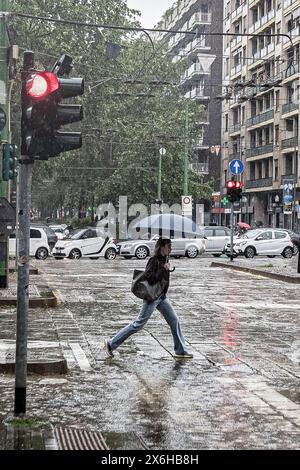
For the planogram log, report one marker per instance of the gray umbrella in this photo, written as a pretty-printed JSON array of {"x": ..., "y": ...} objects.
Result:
[{"x": 169, "y": 225}]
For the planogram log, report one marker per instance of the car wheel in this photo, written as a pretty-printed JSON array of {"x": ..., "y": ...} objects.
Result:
[
  {"x": 250, "y": 252},
  {"x": 295, "y": 249},
  {"x": 288, "y": 252},
  {"x": 75, "y": 254},
  {"x": 192, "y": 252},
  {"x": 41, "y": 253},
  {"x": 142, "y": 252},
  {"x": 217, "y": 255},
  {"x": 110, "y": 253}
]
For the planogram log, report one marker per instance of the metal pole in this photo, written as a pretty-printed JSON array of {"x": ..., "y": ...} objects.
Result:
[
  {"x": 159, "y": 178},
  {"x": 231, "y": 233},
  {"x": 25, "y": 178},
  {"x": 4, "y": 185},
  {"x": 23, "y": 286},
  {"x": 186, "y": 152}
]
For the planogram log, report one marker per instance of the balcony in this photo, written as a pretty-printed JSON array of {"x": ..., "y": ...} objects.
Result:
[
  {"x": 287, "y": 3},
  {"x": 292, "y": 70},
  {"x": 292, "y": 176},
  {"x": 199, "y": 19},
  {"x": 288, "y": 143},
  {"x": 262, "y": 53},
  {"x": 253, "y": 121},
  {"x": 289, "y": 107},
  {"x": 235, "y": 41},
  {"x": 197, "y": 45},
  {"x": 236, "y": 69},
  {"x": 196, "y": 93},
  {"x": 237, "y": 12},
  {"x": 195, "y": 71},
  {"x": 259, "y": 150},
  {"x": 235, "y": 128},
  {"x": 202, "y": 117},
  {"x": 201, "y": 168},
  {"x": 262, "y": 21},
  {"x": 294, "y": 33},
  {"x": 260, "y": 183}
]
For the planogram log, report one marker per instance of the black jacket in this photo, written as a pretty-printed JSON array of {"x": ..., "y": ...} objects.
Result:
[{"x": 155, "y": 271}]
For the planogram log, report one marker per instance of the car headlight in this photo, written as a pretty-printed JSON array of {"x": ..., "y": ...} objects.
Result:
[{"x": 241, "y": 243}]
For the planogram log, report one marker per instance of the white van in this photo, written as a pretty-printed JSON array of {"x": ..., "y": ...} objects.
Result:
[{"x": 38, "y": 246}]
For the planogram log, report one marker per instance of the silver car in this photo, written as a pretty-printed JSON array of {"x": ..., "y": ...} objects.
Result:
[
  {"x": 266, "y": 242},
  {"x": 190, "y": 247}
]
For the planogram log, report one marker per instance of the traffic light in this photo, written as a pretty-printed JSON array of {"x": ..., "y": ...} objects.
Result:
[
  {"x": 9, "y": 162},
  {"x": 224, "y": 201},
  {"x": 234, "y": 190},
  {"x": 43, "y": 114}
]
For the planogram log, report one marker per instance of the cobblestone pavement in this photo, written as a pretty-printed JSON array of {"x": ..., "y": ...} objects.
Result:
[{"x": 241, "y": 390}]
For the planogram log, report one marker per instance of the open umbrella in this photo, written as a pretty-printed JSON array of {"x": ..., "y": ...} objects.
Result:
[
  {"x": 243, "y": 225},
  {"x": 169, "y": 225}
]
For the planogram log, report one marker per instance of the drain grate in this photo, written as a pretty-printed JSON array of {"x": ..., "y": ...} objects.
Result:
[{"x": 79, "y": 439}]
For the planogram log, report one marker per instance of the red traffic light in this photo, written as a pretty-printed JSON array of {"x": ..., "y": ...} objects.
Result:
[
  {"x": 230, "y": 184},
  {"x": 40, "y": 85},
  {"x": 239, "y": 184}
]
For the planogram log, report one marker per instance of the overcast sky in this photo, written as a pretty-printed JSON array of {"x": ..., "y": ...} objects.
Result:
[{"x": 152, "y": 10}]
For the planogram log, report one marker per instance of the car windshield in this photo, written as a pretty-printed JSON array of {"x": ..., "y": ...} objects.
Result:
[
  {"x": 251, "y": 234},
  {"x": 77, "y": 234}
]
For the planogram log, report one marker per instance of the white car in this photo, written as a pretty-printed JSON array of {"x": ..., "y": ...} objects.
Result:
[
  {"x": 38, "y": 245},
  {"x": 189, "y": 247},
  {"x": 267, "y": 242},
  {"x": 88, "y": 242}
]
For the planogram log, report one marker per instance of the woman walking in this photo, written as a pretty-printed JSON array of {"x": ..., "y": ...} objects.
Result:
[{"x": 158, "y": 269}]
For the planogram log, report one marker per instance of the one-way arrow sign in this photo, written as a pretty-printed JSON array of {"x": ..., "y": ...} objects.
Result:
[{"x": 236, "y": 167}]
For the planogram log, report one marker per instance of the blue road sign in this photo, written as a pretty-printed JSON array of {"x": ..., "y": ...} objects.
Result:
[{"x": 236, "y": 166}]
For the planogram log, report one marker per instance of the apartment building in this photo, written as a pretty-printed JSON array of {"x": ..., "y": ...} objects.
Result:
[
  {"x": 260, "y": 119},
  {"x": 202, "y": 77}
]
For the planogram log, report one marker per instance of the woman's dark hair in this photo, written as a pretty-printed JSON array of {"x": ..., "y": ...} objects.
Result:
[{"x": 160, "y": 243}]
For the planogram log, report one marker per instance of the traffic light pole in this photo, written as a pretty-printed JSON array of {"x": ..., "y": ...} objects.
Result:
[
  {"x": 4, "y": 185},
  {"x": 24, "y": 203},
  {"x": 231, "y": 233}
]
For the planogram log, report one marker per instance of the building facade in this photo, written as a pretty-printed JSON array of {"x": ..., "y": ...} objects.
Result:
[
  {"x": 260, "y": 119},
  {"x": 202, "y": 77}
]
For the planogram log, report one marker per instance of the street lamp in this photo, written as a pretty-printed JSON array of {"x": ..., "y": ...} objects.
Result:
[{"x": 162, "y": 152}]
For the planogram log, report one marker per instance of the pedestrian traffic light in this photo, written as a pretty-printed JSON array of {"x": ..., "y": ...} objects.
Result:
[
  {"x": 9, "y": 158},
  {"x": 234, "y": 190},
  {"x": 43, "y": 114},
  {"x": 224, "y": 201}
]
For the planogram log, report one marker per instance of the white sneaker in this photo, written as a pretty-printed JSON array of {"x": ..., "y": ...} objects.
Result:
[
  {"x": 184, "y": 355},
  {"x": 107, "y": 348}
]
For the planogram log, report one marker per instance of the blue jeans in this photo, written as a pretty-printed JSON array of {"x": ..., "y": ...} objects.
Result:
[{"x": 165, "y": 308}]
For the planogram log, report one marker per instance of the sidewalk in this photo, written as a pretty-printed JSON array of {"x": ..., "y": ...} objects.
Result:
[{"x": 274, "y": 268}]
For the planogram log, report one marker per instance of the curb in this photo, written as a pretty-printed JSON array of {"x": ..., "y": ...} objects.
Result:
[
  {"x": 47, "y": 299},
  {"x": 279, "y": 277},
  {"x": 58, "y": 367},
  {"x": 31, "y": 270}
]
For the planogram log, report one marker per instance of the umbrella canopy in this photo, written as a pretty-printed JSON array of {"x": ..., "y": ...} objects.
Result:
[
  {"x": 169, "y": 225},
  {"x": 243, "y": 225}
]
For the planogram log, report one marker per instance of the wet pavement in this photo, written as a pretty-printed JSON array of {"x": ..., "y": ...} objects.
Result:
[{"x": 241, "y": 390}]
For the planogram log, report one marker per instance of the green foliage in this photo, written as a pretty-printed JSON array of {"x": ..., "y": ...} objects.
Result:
[{"x": 128, "y": 112}]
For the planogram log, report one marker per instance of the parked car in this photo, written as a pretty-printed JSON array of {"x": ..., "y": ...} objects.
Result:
[
  {"x": 295, "y": 237},
  {"x": 189, "y": 247},
  {"x": 38, "y": 245},
  {"x": 59, "y": 231},
  {"x": 267, "y": 242},
  {"x": 89, "y": 242},
  {"x": 215, "y": 239},
  {"x": 51, "y": 235}
]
